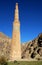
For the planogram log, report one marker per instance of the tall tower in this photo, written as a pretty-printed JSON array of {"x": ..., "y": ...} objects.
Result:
[{"x": 16, "y": 47}]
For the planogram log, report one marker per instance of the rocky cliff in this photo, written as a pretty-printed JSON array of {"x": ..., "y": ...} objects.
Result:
[{"x": 33, "y": 49}]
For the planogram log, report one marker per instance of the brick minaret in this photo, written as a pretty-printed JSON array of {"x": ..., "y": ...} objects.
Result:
[{"x": 16, "y": 46}]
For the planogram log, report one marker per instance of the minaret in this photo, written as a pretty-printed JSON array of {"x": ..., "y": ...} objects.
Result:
[{"x": 16, "y": 46}]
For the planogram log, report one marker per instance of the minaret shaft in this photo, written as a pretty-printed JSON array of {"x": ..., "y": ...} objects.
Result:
[
  {"x": 16, "y": 12},
  {"x": 16, "y": 46}
]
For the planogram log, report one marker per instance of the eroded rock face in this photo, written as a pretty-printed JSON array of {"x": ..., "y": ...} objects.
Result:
[
  {"x": 33, "y": 49},
  {"x": 40, "y": 40}
]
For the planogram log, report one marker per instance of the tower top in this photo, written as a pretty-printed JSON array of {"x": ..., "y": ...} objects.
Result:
[
  {"x": 17, "y": 6},
  {"x": 16, "y": 3},
  {"x": 16, "y": 12}
]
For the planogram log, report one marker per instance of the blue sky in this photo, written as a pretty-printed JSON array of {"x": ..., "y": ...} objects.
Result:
[{"x": 30, "y": 15}]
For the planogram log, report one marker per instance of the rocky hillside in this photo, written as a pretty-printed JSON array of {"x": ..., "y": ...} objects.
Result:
[
  {"x": 5, "y": 42},
  {"x": 3, "y": 37},
  {"x": 30, "y": 50},
  {"x": 33, "y": 49}
]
